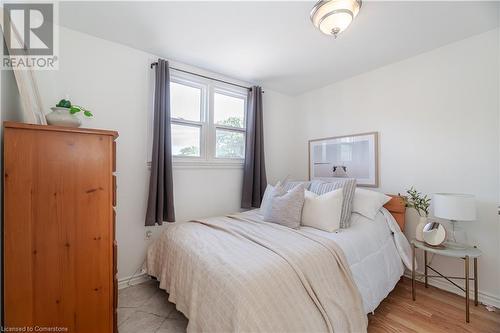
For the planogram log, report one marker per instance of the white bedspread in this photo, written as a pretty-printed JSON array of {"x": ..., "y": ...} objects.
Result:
[
  {"x": 374, "y": 253},
  {"x": 371, "y": 253},
  {"x": 240, "y": 274}
]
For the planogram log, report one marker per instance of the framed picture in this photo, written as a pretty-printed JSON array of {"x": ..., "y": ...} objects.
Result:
[{"x": 351, "y": 156}]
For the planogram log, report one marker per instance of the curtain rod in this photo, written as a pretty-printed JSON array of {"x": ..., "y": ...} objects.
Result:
[{"x": 204, "y": 76}]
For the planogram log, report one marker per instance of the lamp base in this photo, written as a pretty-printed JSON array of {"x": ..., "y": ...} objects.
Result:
[{"x": 458, "y": 238}]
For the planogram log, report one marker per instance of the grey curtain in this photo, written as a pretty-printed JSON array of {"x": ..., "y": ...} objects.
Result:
[
  {"x": 160, "y": 200},
  {"x": 254, "y": 174}
]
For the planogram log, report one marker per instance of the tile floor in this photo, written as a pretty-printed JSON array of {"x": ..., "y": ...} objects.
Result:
[{"x": 144, "y": 308}]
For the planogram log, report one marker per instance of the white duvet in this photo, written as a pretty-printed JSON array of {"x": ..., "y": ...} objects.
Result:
[
  {"x": 371, "y": 252},
  {"x": 375, "y": 251}
]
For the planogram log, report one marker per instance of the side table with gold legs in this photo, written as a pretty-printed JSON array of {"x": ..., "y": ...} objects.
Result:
[{"x": 464, "y": 254}]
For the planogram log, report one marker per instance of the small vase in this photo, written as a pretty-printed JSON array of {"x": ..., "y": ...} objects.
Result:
[
  {"x": 419, "y": 232},
  {"x": 61, "y": 117}
]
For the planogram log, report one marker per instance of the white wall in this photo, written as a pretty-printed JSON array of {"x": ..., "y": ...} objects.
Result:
[
  {"x": 437, "y": 115},
  {"x": 115, "y": 82},
  {"x": 279, "y": 131},
  {"x": 10, "y": 101},
  {"x": 498, "y": 93}
]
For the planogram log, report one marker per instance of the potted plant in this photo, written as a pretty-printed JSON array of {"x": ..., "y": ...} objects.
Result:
[
  {"x": 66, "y": 114},
  {"x": 421, "y": 204}
]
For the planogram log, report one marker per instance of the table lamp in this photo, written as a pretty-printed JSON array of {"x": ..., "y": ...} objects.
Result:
[{"x": 455, "y": 207}]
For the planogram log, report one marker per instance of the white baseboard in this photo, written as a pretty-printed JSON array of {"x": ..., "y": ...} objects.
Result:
[
  {"x": 484, "y": 298},
  {"x": 132, "y": 280}
]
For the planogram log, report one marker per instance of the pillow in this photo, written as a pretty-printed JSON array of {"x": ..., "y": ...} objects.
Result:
[
  {"x": 268, "y": 195},
  {"x": 286, "y": 209},
  {"x": 348, "y": 185},
  {"x": 323, "y": 211},
  {"x": 368, "y": 203},
  {"x": 290, "y": 185}
]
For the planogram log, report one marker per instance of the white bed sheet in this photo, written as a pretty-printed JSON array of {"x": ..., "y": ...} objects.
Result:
[{"x": 371, "y": 253}]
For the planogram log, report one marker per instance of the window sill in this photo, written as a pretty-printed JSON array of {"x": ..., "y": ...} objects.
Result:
[{"x": 204, "y": 165}]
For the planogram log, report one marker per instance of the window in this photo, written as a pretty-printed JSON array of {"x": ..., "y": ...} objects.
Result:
[
  {"x": 186, "y": 140},
  {"x": 185, "y": 102},
  {"x": 229, "y": 119},
  {"x": 186, "y": 111},
  {"x": 208, "y": 120}
]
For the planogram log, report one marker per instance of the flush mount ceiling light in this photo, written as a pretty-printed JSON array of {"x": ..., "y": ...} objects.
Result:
[{"x": 334, "y": 16}]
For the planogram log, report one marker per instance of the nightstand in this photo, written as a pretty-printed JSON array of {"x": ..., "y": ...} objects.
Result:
[{"x": 465, "y": 254}]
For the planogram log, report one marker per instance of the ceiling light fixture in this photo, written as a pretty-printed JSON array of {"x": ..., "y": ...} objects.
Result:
[{"x": 332, "y": 17}]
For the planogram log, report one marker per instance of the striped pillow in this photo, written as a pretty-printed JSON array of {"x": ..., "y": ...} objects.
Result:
[
  {"x": 290, "y": 185},
  {"x": 348, "y": 186}
]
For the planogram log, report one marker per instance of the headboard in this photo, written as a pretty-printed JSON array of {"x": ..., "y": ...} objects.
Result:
[{"x": 396, "y": 206}]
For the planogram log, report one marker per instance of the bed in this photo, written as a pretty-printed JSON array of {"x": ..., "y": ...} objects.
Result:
[{"x": 239, "y": 273}]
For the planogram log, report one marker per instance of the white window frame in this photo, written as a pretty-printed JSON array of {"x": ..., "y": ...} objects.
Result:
[
  {"x": 202, "y": 124},
  {"x": 207, "y": 126}
]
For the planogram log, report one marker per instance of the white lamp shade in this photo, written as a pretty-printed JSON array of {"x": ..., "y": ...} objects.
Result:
[{"x": 454, "y": 206}]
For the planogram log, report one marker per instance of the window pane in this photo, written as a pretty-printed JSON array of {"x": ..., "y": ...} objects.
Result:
[
  {"x": 185, "y": 102},
  {"x": 229, "y": 111},
  {"x": 229, "y": 144},
  {"x": 185, "y": 140}
]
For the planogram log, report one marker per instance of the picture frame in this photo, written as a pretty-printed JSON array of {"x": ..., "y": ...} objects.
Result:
[{"x": 348, "y": 156}]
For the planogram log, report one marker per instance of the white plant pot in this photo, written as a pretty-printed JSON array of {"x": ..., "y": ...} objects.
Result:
[
  {"x": 419, "y": 232},
  {"x": 61, "y": 117}
]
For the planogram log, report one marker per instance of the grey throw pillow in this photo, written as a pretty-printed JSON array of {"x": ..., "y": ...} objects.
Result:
[
  {"x": 286, "y": 209},
  {"x": 270, "y": 192},
  {"x": 348, "y": 186}
]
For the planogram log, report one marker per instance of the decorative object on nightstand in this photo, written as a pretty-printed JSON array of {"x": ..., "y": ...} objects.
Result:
[
  {"x": 434, "y": 234},
  {"x": 455, "y": 207},
  {"x": 421, "y": 204},
  {"x": 465, "y": 254}
]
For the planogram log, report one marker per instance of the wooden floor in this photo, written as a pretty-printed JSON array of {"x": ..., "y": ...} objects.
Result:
[{"x": 434, "y": 311}]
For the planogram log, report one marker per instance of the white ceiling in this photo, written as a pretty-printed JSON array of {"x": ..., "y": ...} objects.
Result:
[{"x": 274, "y": 43}]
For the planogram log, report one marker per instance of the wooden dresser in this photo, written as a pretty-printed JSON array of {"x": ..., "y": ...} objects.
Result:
[{"x": 59, "y": 248}]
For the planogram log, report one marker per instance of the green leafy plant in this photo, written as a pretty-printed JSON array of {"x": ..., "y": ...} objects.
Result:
[
  {"x": 418, "y": 201},
  {"x": 74, "y": 109},
  {"x": 189, "y": 151}
]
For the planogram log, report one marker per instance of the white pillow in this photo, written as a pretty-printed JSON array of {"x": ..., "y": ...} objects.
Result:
[
  {"x": 323, "y": 211},
  {"x": 368, "y": 203}
]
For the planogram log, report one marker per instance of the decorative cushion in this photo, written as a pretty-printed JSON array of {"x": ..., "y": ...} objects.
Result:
[
  {"x": 348, "y": 185},
  {"x": 368, "y": 203},
  {"x": 323, "y": 211},
  {"x": 268, "y": 195},
  {"x": 286, "y": 209},
  {"x": 289, "y": 185}
]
